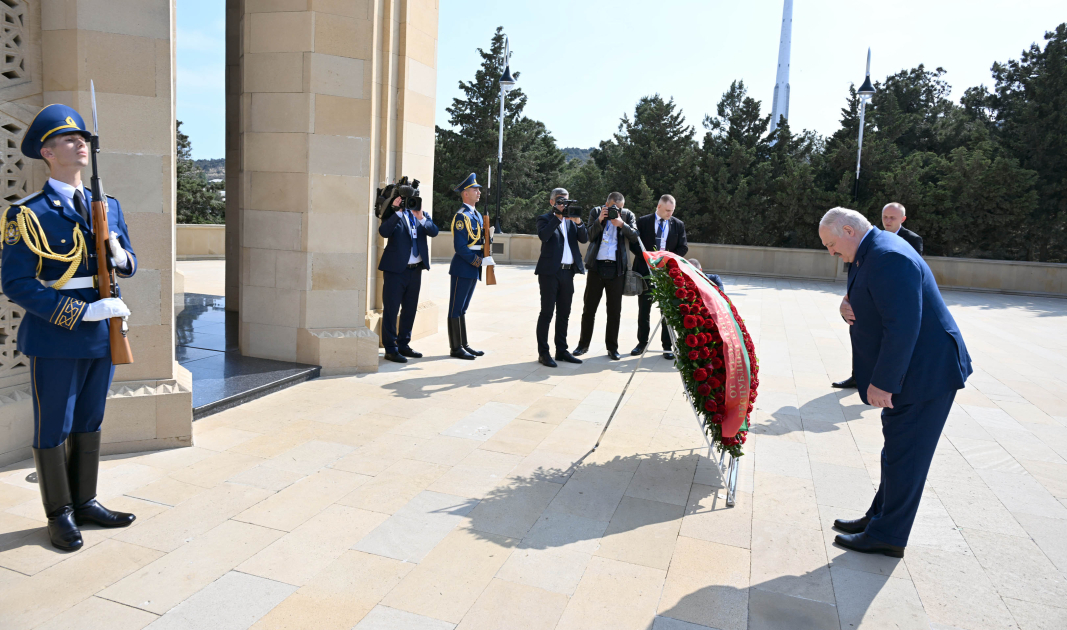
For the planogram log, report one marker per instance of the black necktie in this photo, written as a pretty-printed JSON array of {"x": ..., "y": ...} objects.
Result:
[{"x": 79, "y": 205}]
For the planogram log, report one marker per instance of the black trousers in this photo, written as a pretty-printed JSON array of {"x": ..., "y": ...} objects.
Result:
[
  {"x": 644, "y": 313},
  {"x": 595, "y": 286},
  {"x": 557, "y": 291},
  {"x": 400, "y": 296}
]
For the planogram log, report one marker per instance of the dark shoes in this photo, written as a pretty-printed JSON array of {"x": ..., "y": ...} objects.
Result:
[
  {"x": 83, "y": 468},
  {"x": 463, "y": 337},
  {"x": 567, "y": 357},
  {"x": 638, "y": 349},
  {"x": 411, "y": 354},
  {"x": 580, "y": 350},
  {"x": 668, "y": 355},
  {"x": 546, "y": 361},
  {"x": 853, "y": 526},
  {"x": 865, "y": 544},
  {"x": 848, "y": 383},
  {"x": 52, "y": 479},
  {"x": 395, "y": 357},
  {"x": 455, "y": 340},
  {"x": 614, "y": 355}
]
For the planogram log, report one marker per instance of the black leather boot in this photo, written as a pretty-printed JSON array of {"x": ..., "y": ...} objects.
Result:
[
  {"x": 853, "y": 526},
  {"x": 463, "y": 337},
  {"x": 83, "y": 469},
  {"x": 55, "y": 495},
  {"x": 455, "y": 340}
]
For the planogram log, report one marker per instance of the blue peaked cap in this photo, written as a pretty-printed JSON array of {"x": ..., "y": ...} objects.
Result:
[
  {"x": 470, "y": 182},
  {"x": 53, "y": 120}
]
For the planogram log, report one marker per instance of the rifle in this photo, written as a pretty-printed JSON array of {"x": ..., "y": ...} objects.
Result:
[
  {"x": 105, "y": 272},
  {"x": 487, "y": 250}
]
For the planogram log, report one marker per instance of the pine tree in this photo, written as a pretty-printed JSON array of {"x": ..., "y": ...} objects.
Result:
[{"x": 198, "y": 200}]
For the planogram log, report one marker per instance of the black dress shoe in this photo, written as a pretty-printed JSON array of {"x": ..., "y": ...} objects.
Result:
[
  {"x": 638, "y": 349},
  {"x": 395, "y": 357},
  {"x": 460, "y": 353},
  {"x": 668, "y": 355},
  {"x": 83, "y": 469},
  {"x": 848, "y": 383},
  {"x": 546, "y": 361},
  {"x": 567, "y": 357},
  {"x": 614, "y": 355},
  {"x": 580, "y": 350},
  {"x": 865, "y": 544},
  {"x": 853, "y": 526},
  {"x": 408, "y": 352}
]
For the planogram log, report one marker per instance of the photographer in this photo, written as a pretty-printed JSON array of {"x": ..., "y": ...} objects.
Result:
[
  {"x": 560, "y": 232},
  {"x": 406, "y": 255},
  {"x": 611, "y": 231}
]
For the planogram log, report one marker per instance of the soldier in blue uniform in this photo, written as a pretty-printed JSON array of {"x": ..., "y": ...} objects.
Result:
[
  {"x": 468, "y": 237},
  {"x": 48, "y": 267}
]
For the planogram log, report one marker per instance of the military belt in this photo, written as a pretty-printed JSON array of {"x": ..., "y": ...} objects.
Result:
[{"x": 87, "y": 282}]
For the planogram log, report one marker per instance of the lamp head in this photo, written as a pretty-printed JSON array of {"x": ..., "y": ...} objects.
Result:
[
  {"x": 867, "y": 89},
  {"x": 507, "y": 82}
]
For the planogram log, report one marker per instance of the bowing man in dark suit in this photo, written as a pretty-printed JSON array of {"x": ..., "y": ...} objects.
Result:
[
  {"x": 909, "y": 359},
  {"x": 892, "y": 218},
  {"x": 406, "y": 255},
  {"x": 657, "y": 231},
  {"x": 560, "y": 259}
]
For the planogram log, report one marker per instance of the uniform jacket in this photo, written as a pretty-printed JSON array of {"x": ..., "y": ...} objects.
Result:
[
  {"x": 904, "y": 340},
  {"x": 646, "y": 229},
  {"x": 53, "y": 326},
  {"x": 912, "y": 238},
  {"x": 398, "y": 248},
  {"x": 552, "y": 243},
  {"x": 468, "y": 237},
  {"x": 627, "y": 236}
]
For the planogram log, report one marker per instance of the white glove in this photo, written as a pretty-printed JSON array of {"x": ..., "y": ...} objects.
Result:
[
  {"x": 119, "y": 257},
  {"x": 106, "y": 309},
  {"x": 488, "y": 260},
  {"x": 492, "y": 230}
]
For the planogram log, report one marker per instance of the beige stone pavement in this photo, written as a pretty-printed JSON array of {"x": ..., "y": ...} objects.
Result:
[{"x": 450, "y": 494}]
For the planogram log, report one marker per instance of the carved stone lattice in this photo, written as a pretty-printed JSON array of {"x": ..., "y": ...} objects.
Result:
[
  {"x": 13, "y": 67},
  {"x": 14, "y": 168},
  {"x": 12, "y": 362}
]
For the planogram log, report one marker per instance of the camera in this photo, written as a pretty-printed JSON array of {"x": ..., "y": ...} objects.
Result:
[
  {"x": 571, "y": 209},
  {"x": 613, "y": 212},
  {"x": 406, "y": 190}
]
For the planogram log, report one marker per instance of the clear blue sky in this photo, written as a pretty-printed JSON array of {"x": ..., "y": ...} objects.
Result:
[{"x": 586, "y": 62}]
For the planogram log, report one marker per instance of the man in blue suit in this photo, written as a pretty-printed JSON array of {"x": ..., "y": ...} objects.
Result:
[
  {"x": 406, "y": 255},
  {"x": 560, "y": 259},
  {"x": 908, "y": 357},
  {"x": 49, "y": 268},
  {"x": 468, "y": 238}
]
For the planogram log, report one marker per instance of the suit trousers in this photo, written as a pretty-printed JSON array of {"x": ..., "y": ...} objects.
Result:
[
  {"x": 557, "y": 291},
  {"x": 68, "y": 397},
  {"x": 644, "y": 327},
  {"x": 400, "y": 296},
  {"x": 911, "y": 433},
  {"x": 596, "y": 286}
]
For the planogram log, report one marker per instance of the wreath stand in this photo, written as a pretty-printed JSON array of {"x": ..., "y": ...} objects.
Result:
[{"x": 728, "y": 469}]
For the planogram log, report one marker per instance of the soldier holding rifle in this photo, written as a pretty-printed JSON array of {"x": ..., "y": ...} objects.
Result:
[
  {"x": 469, "y": 237},
  {"x": 51, "y": 250}
]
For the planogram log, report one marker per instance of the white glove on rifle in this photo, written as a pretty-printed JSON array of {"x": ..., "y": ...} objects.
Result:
[
  {"x": 106, "y": 309},
  {"x": 119, "y": 257}
]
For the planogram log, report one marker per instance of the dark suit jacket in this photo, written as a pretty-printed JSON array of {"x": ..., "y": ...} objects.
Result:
[
  {"x": 912, "y": 238},
  {"x": 904, "y": 340},
  {"x": 646, "y": 229},
  {"x": 627, "y": 236},
  {"x": 552, "y": 243},
  {"x": 398, "y": 248}
]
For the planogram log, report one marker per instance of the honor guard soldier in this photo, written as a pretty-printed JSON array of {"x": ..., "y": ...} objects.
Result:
[
  {"x": 468, "y": 237},
  {"x": 48, "y": 270}
]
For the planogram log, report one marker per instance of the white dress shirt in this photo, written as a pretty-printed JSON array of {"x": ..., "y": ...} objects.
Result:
[
  {"x": 568, "y": 258},
  {"x": 609, "y": 242},
  {"x": 66, "y": 193}
]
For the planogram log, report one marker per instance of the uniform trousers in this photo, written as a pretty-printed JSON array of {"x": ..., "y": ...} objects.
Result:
[
  {"x": 557, "y": 291},
  {"x": 597, "y": 285},
  {"x": 68, "y": 397},
  {"x": 400, "y": 296},
  {"x": 644, "y": 315},
  {"x": 911, "y": 433},
  {"x": 459, "y": 296}
]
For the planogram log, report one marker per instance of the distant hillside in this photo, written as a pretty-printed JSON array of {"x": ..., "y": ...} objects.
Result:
[
  {"x": 580, "y": 154},
  {"x": 214, "y": 169}
]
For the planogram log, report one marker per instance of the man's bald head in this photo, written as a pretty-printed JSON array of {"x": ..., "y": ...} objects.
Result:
[{"x": 893, "y": 215}]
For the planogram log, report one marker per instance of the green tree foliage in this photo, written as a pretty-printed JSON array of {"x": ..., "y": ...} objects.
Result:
[{"x": 199, "y": 200}]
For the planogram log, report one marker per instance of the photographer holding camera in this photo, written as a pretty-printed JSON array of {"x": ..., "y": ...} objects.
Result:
[
  {"x": 406, "y": 255},
  {"x": 560, "y": 232},
  {"x": 611, "y": 231}
]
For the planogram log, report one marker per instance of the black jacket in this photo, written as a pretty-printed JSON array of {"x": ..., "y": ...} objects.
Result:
[
  {"x": 627, "y": 236},
  {"x": 552, "y": 243},
  {"x": 912, "y": 238},
  {"x": 398, "y": 246},
  {"x": 646, "y": 229}
]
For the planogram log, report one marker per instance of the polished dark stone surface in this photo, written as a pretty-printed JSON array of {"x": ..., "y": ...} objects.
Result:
[{"x": 207, "y": 346}]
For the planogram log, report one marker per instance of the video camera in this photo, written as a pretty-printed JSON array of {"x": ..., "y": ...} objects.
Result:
[
  {"x": 408, "y": 191},
  {"x": 571, "y": 209}
]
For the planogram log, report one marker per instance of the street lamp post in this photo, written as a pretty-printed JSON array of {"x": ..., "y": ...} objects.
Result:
[
  {"x": 507, "y": 83},
  {"x": 865, "y": 92}
]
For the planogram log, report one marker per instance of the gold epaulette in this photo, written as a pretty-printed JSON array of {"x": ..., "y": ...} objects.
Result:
[{"x": 27, "y": 227}]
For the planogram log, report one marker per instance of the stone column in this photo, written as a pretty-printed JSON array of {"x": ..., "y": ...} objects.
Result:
[
  {"x": 314, "y": 149},
  {"x": 127, "y": 48}
]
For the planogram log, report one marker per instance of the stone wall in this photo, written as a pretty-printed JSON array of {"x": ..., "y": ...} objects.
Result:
[{"x": 200, "y": 242}]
